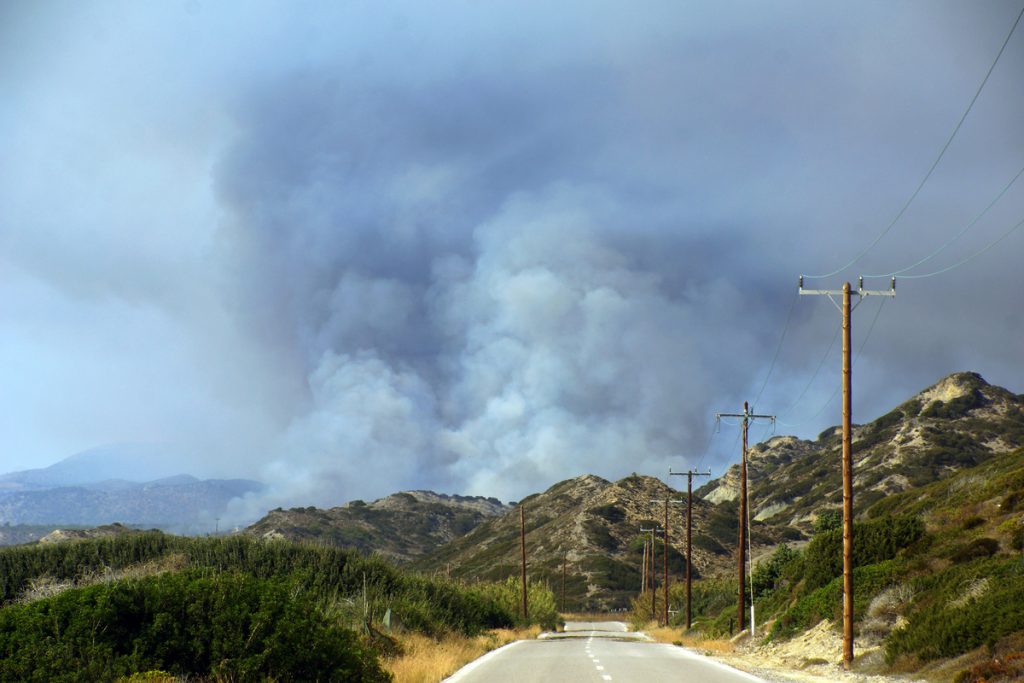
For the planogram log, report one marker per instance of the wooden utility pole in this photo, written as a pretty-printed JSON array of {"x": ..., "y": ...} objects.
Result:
[
  {"x": 563, "y": 583},
  {"x": 747, "y": 417},
  {"x": 846, "y": 310},
  {"x": 650, "y": 569},
  {"x": 522, "y": 538},
  {"x": 690, "y": 474},
  {"x": 643, "y": 570},
  {"x": 665, "y": 581}
]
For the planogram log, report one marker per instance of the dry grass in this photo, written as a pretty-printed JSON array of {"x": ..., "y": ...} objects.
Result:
[
  {"x": 425, "y": 660},
  {"x": 677, "y": 636},
  {"x": 47, "y": 587}
]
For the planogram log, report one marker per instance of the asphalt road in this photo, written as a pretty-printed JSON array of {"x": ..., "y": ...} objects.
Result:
[{"x": 595, "y": 652}]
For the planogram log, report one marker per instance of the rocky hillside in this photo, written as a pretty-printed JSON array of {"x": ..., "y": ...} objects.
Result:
[
  {"x": 402, "y": 526},
  {"x": 958, "y": 423},
  {"x": 595, "y": 525}
]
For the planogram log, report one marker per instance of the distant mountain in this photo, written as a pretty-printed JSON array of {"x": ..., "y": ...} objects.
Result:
[
  {"x": 955, "y": 424},
  {"x": 131, "y": 484},
  {"x": 401, "y": 526},
  {"x": 131, "y": 462},
  {"x": 182, "y": 504}
]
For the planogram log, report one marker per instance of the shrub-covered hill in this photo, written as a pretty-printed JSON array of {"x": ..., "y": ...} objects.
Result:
[
  {"x": 402, "y": 526},
  {"x": 958, "y": 423},
  {"x": 594, "y": 525},
  {"x": 232, "y": 607},
  {"x": 938, "y": 584}
]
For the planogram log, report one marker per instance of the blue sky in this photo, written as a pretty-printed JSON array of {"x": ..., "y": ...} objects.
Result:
[{"x": 352, "y": 248}]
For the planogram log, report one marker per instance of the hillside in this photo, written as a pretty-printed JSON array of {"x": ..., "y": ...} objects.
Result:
[
  {"x": 595, "y": 525},
  {"x": 957, "y": 423},
  {"x": 401, "y": 526}
]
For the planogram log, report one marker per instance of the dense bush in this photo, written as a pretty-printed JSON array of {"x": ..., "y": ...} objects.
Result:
[
  {"x": 978, "y": 548},
  {"x": 948, "y": 621},
  {"x": 874, "y": 542},
  {"x": 826, "y": 602},
  {"x": 428, "y": 605},
  {"x": 227, "y": 625},
  {"x": 714, "y": 600},
  {"x": 768, "y": 574},
  {"x": 828, "y": 520},
  {"x": 508, "y": 595}
]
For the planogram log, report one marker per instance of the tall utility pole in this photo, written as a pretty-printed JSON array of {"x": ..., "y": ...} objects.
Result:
[
  {"x": 665, "y": 582},
  {"x": 690, "y": 474},
  {"x": 846, "y": 309},
  {"x": 522, "y": 538},
  {"x": 747, "y": 417},
  {"x": 643, "y": 570},
  {"x": 563, "y": 583},
  {"x": 650, "y": 568}
]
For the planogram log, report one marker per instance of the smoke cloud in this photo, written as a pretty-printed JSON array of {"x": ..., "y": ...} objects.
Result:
[{"x": 478, "y": 249}]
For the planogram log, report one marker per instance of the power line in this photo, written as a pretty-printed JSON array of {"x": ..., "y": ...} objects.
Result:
[
  {"x": 814, "y": 376},
  {"x": 935, "y": 163},
  {"x": 960, "y": 234},
  {"x": 771, "y": 367},
  {"x": 856, "y": 357},
  {"x": 969, "y": 258}
]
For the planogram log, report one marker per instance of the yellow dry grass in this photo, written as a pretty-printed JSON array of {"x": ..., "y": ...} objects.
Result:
[
  {"x": 677, "y": 636},
  {"x": 425, "y": 660}
]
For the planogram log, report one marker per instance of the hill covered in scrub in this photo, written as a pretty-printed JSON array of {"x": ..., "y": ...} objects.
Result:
[
  {"x": 938, "y": 542},
  {"x": 595, "y": 526},
  {"x": 401, "y": 526},
  {"x": 956, "y": 424}
]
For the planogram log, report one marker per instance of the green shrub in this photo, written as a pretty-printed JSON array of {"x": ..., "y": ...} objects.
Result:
[
  {"x": 826, "y": 602},
  {"x": 945, "y": 624},
  {"x": 433, "y": 606},
  {"x": 768, "y": 574},
  {"x": 828, "y": 520},
  {"x": 957, "y": 407},
  {"x": 972, "y": 522},
  {"x": 610, "y": 512},
  {"x": 874, "y": 541},
  {"x": 227, "y": 625},
  {"x": 978, "y": 548},
  {"x": 541, "y": 607}
]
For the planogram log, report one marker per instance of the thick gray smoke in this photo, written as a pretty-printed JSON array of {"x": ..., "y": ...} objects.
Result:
[{"x": 479, "y": 247}]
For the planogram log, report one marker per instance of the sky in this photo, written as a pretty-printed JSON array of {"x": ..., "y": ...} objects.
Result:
[{"x": 352, "y": 248}]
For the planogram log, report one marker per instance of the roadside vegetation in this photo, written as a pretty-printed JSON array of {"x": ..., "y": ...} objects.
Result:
[
  {"x": 238, "y": 609},
  {"x": 939, "y": 575}
]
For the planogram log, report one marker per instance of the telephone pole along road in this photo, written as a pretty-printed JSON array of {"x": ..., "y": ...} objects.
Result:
[{"x": 595, "y": 652}]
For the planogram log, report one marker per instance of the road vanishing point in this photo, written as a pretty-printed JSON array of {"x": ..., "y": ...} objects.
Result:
[{"x": 596, "y": 652}]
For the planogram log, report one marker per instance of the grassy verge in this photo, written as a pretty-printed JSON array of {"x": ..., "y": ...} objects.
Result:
[
  {"x": 426, "y": 660},
  {"x": 693, "y": 639}
]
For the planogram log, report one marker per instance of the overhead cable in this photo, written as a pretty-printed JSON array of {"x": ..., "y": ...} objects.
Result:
[
  {"x": 969, "y": 258},
  {"x": 960, "y": 234},
  {"x": 935, "y": 163},
  {"x": 778, "y": 348}
]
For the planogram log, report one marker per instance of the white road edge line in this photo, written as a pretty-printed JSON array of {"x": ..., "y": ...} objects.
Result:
[
  {"x": 721, "y": 665},
  {"x": 458, "y": 675}
]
